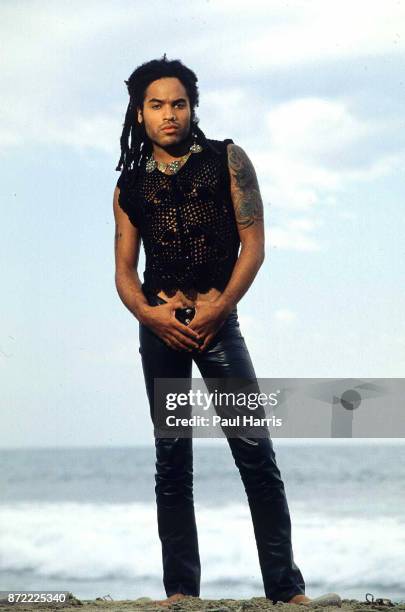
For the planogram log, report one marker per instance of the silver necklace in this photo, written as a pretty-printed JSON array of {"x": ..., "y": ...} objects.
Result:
[{"x": 173, "y": 166}]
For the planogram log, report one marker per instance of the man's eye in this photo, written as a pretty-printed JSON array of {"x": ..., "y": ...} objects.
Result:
[
  {"x": 181, "y": 104},
  {"x": 155, "y": 105}
]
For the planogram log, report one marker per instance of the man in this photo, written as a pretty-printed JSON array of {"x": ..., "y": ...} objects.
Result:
[{"x": 193, "y": 201}]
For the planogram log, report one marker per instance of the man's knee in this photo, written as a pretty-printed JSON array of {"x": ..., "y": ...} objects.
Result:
[
  {"x": 255, "y": 459},
  {"x": 174, "y": 470}
]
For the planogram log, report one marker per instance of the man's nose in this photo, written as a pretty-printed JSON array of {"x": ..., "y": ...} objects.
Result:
[{"x": 169, "y": 114}]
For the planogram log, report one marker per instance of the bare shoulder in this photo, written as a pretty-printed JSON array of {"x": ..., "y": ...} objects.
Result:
[{"x": 238, "y": 160}]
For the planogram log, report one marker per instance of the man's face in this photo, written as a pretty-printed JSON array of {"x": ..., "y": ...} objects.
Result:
[{"x": 166, "y": 105}]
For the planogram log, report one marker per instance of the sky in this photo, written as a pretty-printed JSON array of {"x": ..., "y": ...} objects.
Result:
[{"x": 314, "y": 93}]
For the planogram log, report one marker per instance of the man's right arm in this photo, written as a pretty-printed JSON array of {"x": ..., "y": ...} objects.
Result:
[{"x": 127, "y": 242}]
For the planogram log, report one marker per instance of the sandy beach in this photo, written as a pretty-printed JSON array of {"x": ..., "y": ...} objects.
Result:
[{"x": 194, "y": 604}]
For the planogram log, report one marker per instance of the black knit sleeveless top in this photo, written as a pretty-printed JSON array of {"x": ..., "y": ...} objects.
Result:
[{"x": 186, "y": 222}]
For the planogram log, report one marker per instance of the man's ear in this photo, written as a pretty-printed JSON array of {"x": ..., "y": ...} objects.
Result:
[{"x": 139, "y": 115}]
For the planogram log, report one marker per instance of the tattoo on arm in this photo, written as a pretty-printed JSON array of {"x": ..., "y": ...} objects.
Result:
[{"x": 244, "y": 187}]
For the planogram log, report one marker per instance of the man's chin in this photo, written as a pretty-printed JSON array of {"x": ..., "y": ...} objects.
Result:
[{"x": 170, "y": 140}]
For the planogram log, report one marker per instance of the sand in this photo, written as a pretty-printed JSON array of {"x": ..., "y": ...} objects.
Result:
[{"x": 187, "y": 604}]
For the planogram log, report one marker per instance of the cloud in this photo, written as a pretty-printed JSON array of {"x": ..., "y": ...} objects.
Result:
[
  {"x": 301, "y": 32},
  {"x": 294, "y": 234},
  {"x": 285, "y": 315},
  {"x": 95, "y": 131},
  {"x": 314, "y": 127},
  {"x": 315, "y": 150}
]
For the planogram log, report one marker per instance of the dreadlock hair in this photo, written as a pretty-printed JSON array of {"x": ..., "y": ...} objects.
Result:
[{"x": 134, "y": 140}]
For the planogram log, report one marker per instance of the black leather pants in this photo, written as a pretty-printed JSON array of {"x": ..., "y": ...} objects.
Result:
[{"x": 226, "y": 356}]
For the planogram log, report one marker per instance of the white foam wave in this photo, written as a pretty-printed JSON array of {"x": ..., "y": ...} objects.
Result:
[{"x": 120, "y": 541}]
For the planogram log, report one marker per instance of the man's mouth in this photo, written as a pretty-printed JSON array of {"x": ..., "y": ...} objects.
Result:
[{"x": 170, "y": 128}]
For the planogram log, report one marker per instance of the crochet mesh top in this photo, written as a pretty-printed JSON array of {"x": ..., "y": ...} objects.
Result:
[{"x": 186, "y": 221}]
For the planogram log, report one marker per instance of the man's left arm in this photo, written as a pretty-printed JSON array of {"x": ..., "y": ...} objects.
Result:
[{"x": 248, "y": 206}]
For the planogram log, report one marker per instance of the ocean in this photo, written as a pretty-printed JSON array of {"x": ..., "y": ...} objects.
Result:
[{"x": 84, "y": 520}]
